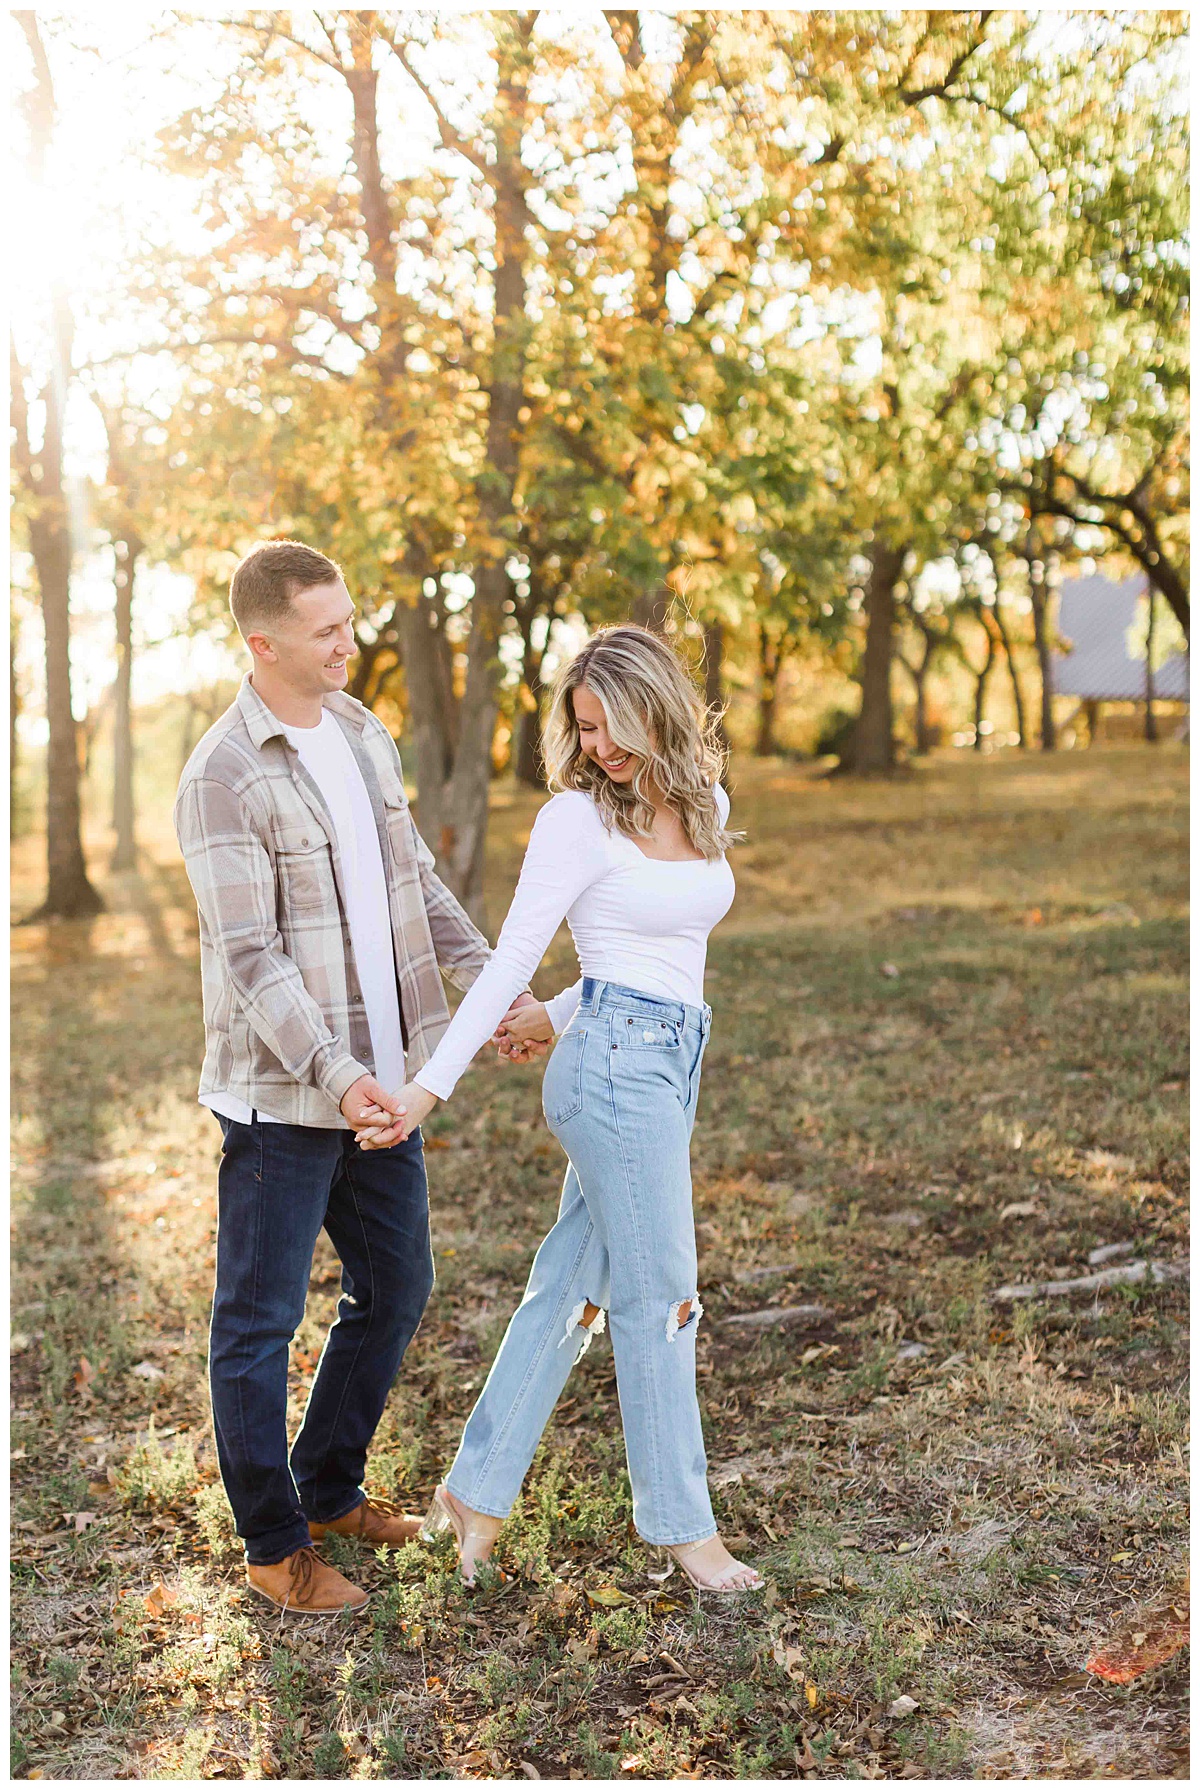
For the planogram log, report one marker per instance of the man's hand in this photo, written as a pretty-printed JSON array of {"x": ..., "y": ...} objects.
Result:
[
  {"x": 365, "y": 1094},
  {"x": 375, "y": 1130},
  {"x": 525, "y": 1031}
]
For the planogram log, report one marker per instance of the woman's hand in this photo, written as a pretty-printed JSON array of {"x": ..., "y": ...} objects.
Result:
[
  {"x": 524, "y": 1033},
  {"x": 380, "y": 1129}
]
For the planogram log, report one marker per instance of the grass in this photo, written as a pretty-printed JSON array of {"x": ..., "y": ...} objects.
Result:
[{"x": 949, "y": 1053}]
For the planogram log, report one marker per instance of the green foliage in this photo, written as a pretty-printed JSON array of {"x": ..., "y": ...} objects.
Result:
[{"x": 150, "y": 1477}]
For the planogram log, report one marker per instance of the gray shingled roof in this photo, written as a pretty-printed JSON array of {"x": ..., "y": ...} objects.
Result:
[{"x": 1095, "y": 615}]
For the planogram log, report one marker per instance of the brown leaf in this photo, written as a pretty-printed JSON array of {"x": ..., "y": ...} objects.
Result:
[
  {"x": 84, "y": 1374},
  {"x": 160, "y": 1599}
]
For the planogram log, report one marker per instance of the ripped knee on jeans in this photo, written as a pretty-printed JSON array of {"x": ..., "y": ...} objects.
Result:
[
  {"x": 589, "y": 1318},
  {"x": 681, "y": 1313}
]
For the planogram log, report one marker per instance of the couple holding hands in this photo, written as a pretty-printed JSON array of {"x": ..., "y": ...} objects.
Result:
[{"x": 323, "y": 936}]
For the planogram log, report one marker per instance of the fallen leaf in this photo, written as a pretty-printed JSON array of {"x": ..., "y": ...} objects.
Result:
[
  {"x": 1021, "y": 1209},
  {"x": 608, "y": 1597},
  {"x": 161, "y": 1598},
  {"x": 83, "y": 1519},
  {"x": 811, "y": 1692},
  {"x": 903, "y": 1706},
  {"x": 146, "y": 1370},
  {"x": 529, "y": 1769},
  {"x": 789, "y": 1658},
  {"x": 84, "y": 1374}
]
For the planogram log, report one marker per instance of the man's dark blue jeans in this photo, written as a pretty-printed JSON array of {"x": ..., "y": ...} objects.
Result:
[{"x": 278, "y": 1185}]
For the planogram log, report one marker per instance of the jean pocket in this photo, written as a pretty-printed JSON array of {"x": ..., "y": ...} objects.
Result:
[
  {"x": 562, "y": 1084},
  {"x": 642, "y": 1031}
]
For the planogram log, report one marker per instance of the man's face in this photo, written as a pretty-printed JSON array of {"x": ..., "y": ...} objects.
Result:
[{"x": 309, "y": 648}]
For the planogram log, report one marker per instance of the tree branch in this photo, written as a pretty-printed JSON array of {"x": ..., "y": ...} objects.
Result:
[{"x": 451, "y": 138}]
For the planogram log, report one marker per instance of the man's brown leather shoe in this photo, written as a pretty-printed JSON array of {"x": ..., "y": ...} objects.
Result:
[
  {"x": 302, "y": 1584},
  {"x": 377, "y": 1521}
]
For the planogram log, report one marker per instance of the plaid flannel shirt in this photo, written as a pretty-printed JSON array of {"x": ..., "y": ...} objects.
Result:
[{"x": 284, "y": 1021}]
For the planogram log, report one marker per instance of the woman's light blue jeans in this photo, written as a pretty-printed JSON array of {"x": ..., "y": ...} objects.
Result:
[{"x": 620, "y": 1096}]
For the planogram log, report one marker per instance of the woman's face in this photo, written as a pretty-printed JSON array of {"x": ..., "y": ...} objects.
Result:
[{"x": 594, "y": 740}]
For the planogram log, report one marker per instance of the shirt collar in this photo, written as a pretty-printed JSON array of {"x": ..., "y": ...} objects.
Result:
[{"x": 263, "y": 724}]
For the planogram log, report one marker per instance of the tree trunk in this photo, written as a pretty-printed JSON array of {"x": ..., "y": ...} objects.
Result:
[
  {"x": 714, "y": 680},
  {"x": 652, "y": 610},
  {"x": 770, "y": 663},
  {"x": 920, "y": 720},
  {"x": 69, "y": 894},
  {"x": 981, "y": 679},
  {"x": 1162, "y": 574},
  {"x": 14, "y": 709},
  {"x": 125, "y": 850},
  {"x": 454, "y": 811},
  {"x": 453, "y": 734},
  {"x": 1013, "y": 673},
  {"x": 1040, "y": 598},
  {"x": 872, "y": 748},
  {"x": 1150, "y": 727},
  {"x": 528, "y": 762},
  {"x": 919, "y": 673}
]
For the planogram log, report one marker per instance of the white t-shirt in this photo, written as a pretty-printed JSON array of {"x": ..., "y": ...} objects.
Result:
[
  {"x": 638, "y": 921},
  {"x": 326, "y": 755}
]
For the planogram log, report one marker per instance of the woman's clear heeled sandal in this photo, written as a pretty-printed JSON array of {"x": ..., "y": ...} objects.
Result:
[
  {"x": 715, "y": 1585},
  {"x": 441, "y": 1516}
]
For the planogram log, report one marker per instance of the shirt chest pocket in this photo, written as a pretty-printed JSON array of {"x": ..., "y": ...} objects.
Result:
[
  {"x": 304, "y": 867},
  {"x": 399, "y": 835},
  {"x": 635, "y": 1031}
]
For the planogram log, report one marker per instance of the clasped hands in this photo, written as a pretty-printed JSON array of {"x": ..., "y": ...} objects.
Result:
[{"x": 381, "y": 1120}]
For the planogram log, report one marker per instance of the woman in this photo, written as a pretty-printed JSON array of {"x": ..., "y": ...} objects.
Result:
[{"x": 631, "y": 850}]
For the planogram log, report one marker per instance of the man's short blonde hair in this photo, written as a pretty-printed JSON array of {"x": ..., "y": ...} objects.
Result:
[{"x": 271, "y": 575}]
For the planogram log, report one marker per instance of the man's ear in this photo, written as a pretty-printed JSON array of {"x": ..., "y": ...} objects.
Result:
[{"x": 261, "y": 648}]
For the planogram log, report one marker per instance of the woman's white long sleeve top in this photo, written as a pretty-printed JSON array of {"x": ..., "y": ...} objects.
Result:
[{"x": 637, "y": 921}]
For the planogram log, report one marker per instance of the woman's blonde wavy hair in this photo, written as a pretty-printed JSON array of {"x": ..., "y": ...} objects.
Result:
[{"x": 654, "y": 711}]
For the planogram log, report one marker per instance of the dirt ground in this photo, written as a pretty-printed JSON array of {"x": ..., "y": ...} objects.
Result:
[{"x": 948, "y": 1055}]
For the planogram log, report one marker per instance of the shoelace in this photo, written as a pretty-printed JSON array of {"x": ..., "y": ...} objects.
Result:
[{"x": 303, "y": 1566}]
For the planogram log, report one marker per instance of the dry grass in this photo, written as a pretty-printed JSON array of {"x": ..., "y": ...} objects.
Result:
[{"x": 956, "y": 1523}]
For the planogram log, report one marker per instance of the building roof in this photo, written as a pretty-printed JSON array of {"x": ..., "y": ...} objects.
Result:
[{"x": 1096, "y": 616}]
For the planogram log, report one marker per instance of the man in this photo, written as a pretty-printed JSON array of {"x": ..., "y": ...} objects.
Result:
[{"x": 322, "y": 931}]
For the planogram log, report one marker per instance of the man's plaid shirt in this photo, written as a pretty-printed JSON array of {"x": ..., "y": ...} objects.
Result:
[{"x": 284, "y": 1021}]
